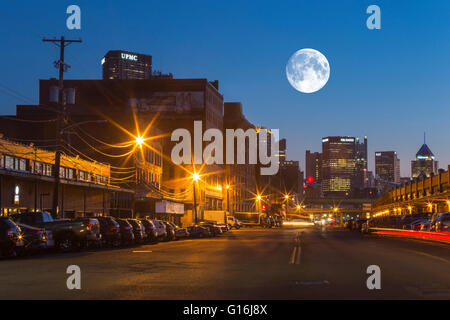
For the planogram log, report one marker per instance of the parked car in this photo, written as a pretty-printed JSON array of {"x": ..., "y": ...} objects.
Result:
[
  {"x": 213, "y": 228},
  {"x": 436, "y": 218},
  {"x": 425, "y": 226},
  {"x": 34, "y": 239},
  {"x": 92, "y": 237},
  {"x": 138, "y": 230},
  {"x": 150, "y": 230},
  {"x": 126, "y": 231},
  {"x": 223, "y": 226},
  {"x": 443, "y": 224},
  {"x": 180, "y": 232},
  {"x": 110, "y": 231},
  {"x": 11, "y": 239},
  {"x": 160, "y": 229},
  {"x": 68, "y": 234},
  {"x": 197, "y": 231},
  {"x": 415, "y": 224},
  {"x": 170, "y": 231}
]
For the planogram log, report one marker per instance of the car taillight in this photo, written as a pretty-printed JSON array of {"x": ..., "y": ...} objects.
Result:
[{"x": 87, "y": 224}]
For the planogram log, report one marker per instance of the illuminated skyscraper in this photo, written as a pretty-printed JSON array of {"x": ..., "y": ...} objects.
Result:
[
  {"x": 313, "y": 165},
  {"x": 125, "y": 65},
  {"x": 425, "y": 163},
  {"x": 360, "y": 178},
  {"x": 387, "y": 166},
  {"x": 338, "y": 165}
]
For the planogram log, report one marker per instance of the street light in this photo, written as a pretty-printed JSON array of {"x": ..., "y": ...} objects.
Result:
[
  {"x": 139, "y": 141},
  {"x": 258, "y": 200},
  {"x": 195, "y": 177}
]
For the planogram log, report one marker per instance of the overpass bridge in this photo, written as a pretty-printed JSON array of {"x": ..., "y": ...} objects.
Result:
[
  {"x": 337, "y": 207},
  {"x": 425, "y": 195}
]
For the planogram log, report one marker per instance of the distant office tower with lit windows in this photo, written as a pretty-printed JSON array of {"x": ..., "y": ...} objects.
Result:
[
  {"x": 282, "y": 150},
  {"x": 125, "y": 65},
  {"x": 425, "y": 163},
  {"x": 387, "y": 166},
  {"x": 313, "y": 165},
  {"x": 338, "y": 165},
  {"x": 360, "y": 180}
]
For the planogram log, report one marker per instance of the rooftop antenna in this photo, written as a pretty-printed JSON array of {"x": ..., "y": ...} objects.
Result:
[{"x": 424, "y": 138}]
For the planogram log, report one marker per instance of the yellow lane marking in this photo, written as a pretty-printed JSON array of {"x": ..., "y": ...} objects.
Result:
[{"x": 428, "y": 255}]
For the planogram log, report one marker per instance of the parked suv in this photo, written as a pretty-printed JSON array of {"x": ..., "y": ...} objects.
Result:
[
  {"x": 92, "y": 235},
  {"x": 150, "y": 230},
  {"x": 126, "y": 231},
  {"x": 11, "y": 239},
  {"x": 436, "y": 218},
  {"x": 34, "y": 239},
  {"x": 443, "y": 224},
  {"x": 138, "y": 230},
  {"x": 170, "y": 231},
  {"x": 160, "y": 229},
  {"x": 110, "y": 231}
]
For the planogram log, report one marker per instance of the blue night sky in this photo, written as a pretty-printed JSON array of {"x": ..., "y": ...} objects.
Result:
[{"x": 390, "y": 84}]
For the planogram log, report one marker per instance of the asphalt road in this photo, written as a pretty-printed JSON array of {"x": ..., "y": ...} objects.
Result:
[{"x": 286, "y": 263}]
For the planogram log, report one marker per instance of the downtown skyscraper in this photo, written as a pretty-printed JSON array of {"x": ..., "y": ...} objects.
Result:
[
  {"x": 387, "y": 167},
  {"x": 338, "y": 165}
]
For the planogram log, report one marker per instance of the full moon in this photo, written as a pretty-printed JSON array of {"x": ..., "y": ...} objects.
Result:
[{"x": 308, "y": 70}]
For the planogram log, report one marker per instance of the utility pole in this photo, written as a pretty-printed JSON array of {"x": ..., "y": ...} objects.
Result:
[{"x": 60, "y": 106}]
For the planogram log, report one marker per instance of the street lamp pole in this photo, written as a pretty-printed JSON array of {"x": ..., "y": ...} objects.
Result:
[
  {"x": 195, "y": 205},
  {"x": 228, "y": 198},
  {"x": 195, "y": 177}
]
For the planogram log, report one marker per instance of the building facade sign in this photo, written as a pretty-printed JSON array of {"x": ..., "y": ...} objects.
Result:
[
  {"x": 165, "y": 206},
  {"x": 179, "y": 102}
]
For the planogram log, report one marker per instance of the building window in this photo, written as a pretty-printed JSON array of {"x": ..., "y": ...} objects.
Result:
[{"x": 16, "y": 195}]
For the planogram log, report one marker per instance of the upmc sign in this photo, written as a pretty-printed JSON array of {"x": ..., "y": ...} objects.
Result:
[{"x": 127, "y": 56}]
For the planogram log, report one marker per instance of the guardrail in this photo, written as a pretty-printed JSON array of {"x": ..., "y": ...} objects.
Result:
[{"x": 424, "y": 235}]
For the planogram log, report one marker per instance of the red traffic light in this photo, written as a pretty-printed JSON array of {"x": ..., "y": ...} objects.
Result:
[
  {"x": 309, "y": 179},
  {"x": 264, "y": 206},
  {"x": 305, "y": 186}
]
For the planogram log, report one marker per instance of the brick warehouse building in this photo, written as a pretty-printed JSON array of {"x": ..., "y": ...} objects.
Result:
[
  {"x": 26, "y": 183},
  {"x": 176, "y": 103}
]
